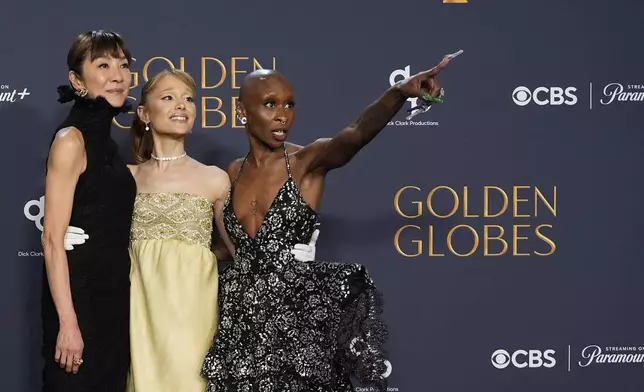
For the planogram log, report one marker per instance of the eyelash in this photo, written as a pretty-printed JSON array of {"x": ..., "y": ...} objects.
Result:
[
  {"x": 190, "y": 99},
  {"x": 292, "y": 104},
  {"x": 104, "y": 65}
]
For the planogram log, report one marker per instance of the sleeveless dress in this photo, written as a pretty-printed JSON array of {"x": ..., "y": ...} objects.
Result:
[
  {"x": 174, "y": 292},
  {"x": 287, "y": 325},
  {"x": 99, "y": 270}
]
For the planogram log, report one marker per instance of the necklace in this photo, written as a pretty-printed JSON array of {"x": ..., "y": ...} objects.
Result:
[{"x": 168, "y": 158}]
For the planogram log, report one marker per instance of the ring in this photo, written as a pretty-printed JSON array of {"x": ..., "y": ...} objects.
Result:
[{"x": 78, "y": 361}]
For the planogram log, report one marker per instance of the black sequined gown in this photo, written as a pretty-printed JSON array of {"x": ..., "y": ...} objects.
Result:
[
  {"x": 99, "y": 269},
  {"x": 292, "y": 326}
]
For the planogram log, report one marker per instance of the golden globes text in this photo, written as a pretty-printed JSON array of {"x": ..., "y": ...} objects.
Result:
[{"x": 483, "y": 221}]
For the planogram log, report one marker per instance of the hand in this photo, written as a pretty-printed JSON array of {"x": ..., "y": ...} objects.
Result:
[
  {"x": 424, "y": 85},
  {"x": 74, "y": 236},
  {"x": 69, "y": 348},
  {"x": 304, "y": 252}
]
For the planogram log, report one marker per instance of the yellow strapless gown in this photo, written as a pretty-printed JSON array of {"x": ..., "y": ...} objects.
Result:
[{"x": 173, "y": 294}]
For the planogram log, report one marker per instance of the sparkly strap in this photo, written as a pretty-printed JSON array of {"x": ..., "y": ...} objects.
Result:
[{"x": 288, "y": 164}]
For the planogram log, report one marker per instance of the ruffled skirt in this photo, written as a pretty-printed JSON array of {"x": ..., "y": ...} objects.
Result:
[{"x": 308, "y": 327}]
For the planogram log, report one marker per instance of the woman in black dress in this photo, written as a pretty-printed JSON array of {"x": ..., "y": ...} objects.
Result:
[
  {"x": 85, "y": 297},
  {"x": 285, "y": 325}
]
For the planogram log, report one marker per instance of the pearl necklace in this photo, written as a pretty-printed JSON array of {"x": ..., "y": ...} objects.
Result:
[{"x": 168, "y": 158}]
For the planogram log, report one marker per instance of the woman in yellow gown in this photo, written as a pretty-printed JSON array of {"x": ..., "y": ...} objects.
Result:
[{"x": 173, "y": 292}]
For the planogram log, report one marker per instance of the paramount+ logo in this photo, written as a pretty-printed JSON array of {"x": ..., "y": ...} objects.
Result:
[
  {"x": 545, "y": 96},
  {"x": 521, "y": 359}
]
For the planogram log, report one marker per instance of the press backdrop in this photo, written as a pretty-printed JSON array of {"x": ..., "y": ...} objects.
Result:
[{"x": 504, "y": 227}]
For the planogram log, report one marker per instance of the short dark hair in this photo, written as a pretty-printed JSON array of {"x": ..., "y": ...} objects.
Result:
[{"x": 94, "y": 44}]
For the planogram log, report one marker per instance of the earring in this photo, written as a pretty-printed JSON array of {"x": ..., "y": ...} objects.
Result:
[
  {"x": 243, "y": 120},
  {"x": 82, "y": 93},
  {"x": 147, "y": 127}
]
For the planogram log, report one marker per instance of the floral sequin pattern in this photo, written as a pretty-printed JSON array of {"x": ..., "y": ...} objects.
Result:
[
  {"x": 181, "y": 216},
  {"x": 292, "y": 326}
]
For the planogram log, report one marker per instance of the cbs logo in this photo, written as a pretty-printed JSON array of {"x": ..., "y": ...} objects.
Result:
[
  {"x": 524, "y": 358},
  {"x": 36, "y": 218},
  {"x": 542, "y": 96}
]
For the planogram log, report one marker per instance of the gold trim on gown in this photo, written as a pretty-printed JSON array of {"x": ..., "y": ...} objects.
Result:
[{"x": 173, "y": 294}]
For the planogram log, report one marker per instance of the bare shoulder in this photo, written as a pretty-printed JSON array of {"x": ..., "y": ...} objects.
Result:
[
  {"x": 234, "y": 166},
  {"x": 215, "y": 172},
  {"x": 215, "y": 179},
  {"x": 208, "y": 171},
  {"x": 69, "y": 137},
  {"x": 134, "y": 169},
  {"x": 68, "y": 147}
]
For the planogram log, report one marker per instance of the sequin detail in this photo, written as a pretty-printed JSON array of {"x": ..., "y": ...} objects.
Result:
[
  {"x": 181, "y": 216},
  {"x": 293, "y": 326}
]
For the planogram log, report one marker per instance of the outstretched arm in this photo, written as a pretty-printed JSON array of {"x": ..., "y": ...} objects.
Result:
[{"x": 332, "y": 153}]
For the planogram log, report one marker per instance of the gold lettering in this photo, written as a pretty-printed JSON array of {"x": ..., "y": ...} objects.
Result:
[
  {"x": 546, "y": 240},
  {"x": 419, "y": 205},
  {"x": 451, "y": 246},
  {"x": 466, "y": 204},
  {"x": 486, "y": 201},
  {"x": 115, "y": 121},
  {"x": 431, "y": 243},
  {"x": 516, "y": 238},
  {"x": 135, "y": 80},
  {"x": 257, "y": 65},
  {"x": 222, "y": 78},
  {"x": 419, "y": 243},
  {"x": 147, "y": 64},
  {"x": 552, "y": 207},
  {"x": 431, "y": 195},
  {"x": 234, "y": 71},
  {"x": 516, "y": 200},
  {"x": 205, "y": 110},
  {"x": 487, "y": 237}
]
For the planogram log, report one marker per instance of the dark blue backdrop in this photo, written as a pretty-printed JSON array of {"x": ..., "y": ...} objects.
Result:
[{"x": 544, "y": 108}]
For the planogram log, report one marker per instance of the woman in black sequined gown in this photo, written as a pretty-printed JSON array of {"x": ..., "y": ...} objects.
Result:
[
  {"x": 85, "y": 296},
  {"x": 285, "y": 325}
]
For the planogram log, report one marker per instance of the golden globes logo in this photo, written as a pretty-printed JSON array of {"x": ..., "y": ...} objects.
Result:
[
  {"x": 491, "y": 221},
  {"x": 217, "y": 79}
]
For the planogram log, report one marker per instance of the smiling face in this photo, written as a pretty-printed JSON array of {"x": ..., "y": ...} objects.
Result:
[
  {"x": 168, "y": 106},
  {"x": 99, "y": 64},
  {"x": 268, "y": 102},
  {"x": 106, "y": 76}
]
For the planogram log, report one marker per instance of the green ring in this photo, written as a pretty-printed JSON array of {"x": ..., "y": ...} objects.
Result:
[{"x": 429, "y": 98}]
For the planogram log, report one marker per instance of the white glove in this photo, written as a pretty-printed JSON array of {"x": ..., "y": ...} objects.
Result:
[
  {"x": 73, "y": 236},
  {"x": 304, "y": 252}
]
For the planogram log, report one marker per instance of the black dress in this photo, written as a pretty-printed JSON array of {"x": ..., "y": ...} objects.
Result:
[
  {"x": 98, "y": 270},
  {"x": 293, "y": 326}
]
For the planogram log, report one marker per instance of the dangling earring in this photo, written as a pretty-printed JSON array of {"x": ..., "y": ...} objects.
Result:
[
  {"x": 243, "y": 120},
  {"x": 147, "y": 127},
  {"x": 82, "y": 93}
]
